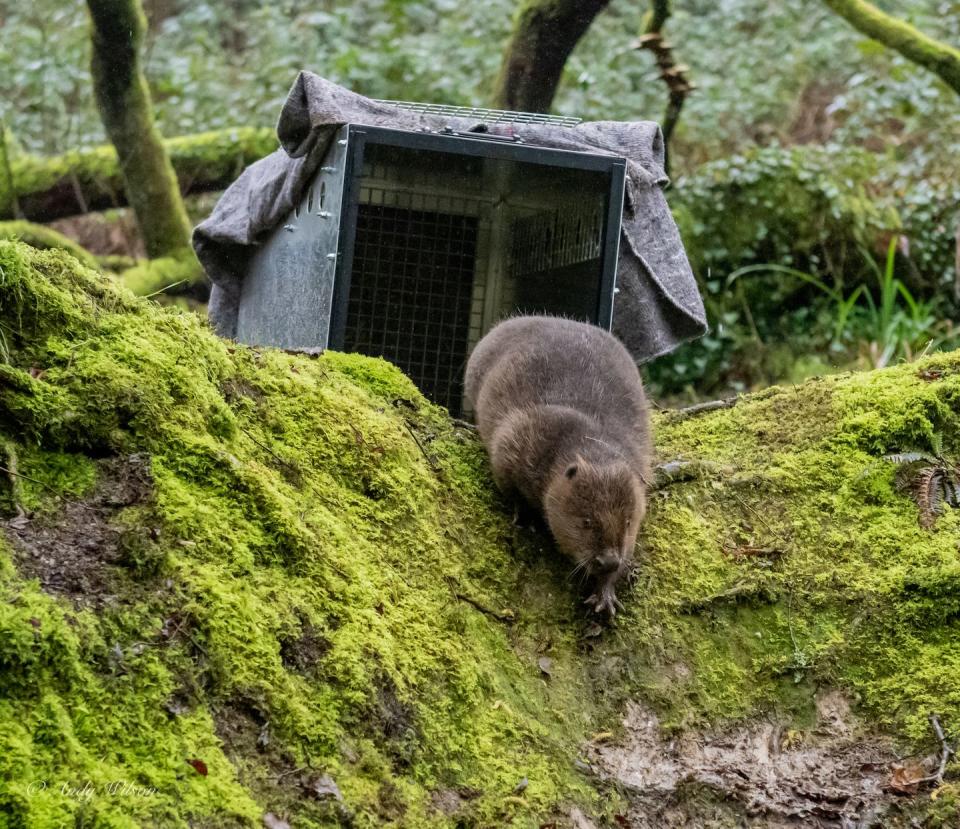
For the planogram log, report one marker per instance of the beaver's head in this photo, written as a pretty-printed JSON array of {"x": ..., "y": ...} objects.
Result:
[{"x": 594, "y": 512}]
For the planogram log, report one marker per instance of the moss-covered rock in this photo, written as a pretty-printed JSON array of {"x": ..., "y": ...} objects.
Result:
[{"x": 238, "y": 581}]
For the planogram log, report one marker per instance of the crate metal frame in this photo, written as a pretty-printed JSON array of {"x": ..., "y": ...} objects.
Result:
[{"x": 297, "y": 289}]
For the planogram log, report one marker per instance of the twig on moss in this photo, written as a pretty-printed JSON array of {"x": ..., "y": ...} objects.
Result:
[
  {"x": 678, "y": 470},
  {"x": 430, "y": 460},
  {"x": 266, "y": 448},
  {"x": 500, "y": 617},
  {"x": 946, "y": 751},
  {"x": 507, "y": 617},
  {"x": 287, "y": 773},
  {"x": 165, "y": 288},
  {"x": 14, "y": 473},
  {"x": 700, "y": 408}
]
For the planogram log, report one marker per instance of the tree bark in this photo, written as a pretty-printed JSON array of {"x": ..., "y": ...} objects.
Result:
[
  {"x": 544, "y": 35},
  {"x": 45, "y": 189},
  {"x": 940, "y": 58},
  {"x": 124, "y": 102}
]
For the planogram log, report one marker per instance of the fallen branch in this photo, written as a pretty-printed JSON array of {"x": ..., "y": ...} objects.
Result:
[
  {"x": 700, "y": 408},
  {"x": 946, "y": 752},
  {"x": 677, "y": 471},
  {"x": 431, "y": 461}
]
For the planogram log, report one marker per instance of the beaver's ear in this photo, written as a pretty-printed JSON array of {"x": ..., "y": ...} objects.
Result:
[{"x": 571, "y": 471}]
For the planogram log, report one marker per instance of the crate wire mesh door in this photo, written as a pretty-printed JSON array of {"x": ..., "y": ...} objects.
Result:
[
  {"x": 447, "y": 245},
  {"x": 412, "y": 281}
]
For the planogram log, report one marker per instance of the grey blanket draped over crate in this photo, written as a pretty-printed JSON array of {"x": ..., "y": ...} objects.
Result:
[{"x": 658, "y": 306}]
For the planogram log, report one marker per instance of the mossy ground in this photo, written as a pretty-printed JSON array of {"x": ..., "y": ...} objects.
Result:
[{"x": 320, "y": 579}]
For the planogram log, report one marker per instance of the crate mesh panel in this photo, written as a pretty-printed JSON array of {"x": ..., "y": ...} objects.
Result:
[
  {"x": 548, "y": 240},
  {"x": 411, "y": 292}
]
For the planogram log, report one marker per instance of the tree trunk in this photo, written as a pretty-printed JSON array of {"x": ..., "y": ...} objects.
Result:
[
  {"x": 544, "y": 35},
  {"x": 939, "y": 58},
  {"x": 124, "y": 102}
]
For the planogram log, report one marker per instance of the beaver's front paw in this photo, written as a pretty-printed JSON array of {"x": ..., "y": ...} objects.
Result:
[{"x": 606, "y": 602}]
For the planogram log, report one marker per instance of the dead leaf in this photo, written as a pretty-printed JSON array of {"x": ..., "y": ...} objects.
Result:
[
  {"x": 521, "y": 787},
  {"x": 906, "y": 778},
  {"x": 546, "y": 665},
  {"x": 34, "y": 621},
  {"x": 621, "y": 820},
  {"x": 199, "y": 766},
  {"x": 19, "y": 522}
]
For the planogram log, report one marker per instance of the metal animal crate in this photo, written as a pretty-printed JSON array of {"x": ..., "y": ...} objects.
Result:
[{"x": 410, "y": 246}]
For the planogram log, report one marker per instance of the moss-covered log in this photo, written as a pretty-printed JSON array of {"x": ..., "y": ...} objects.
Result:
[
  {"x": 123, "y": 99},
  {"x": 46, "y": 238},
  {"x": 241, "y": 586},
  {"x": 544, "y": 34},
  {"x": 90, "y": 179},
  {"x": 940, "y": 58}
]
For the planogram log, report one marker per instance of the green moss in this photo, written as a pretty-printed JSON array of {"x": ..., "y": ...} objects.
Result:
[
  {"x": 44, "y": 238},
  {"x": 294, "y": 506},
  {"x": 323, "y": 566}
]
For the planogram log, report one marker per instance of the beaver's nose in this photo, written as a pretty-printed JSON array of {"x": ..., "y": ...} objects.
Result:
[{"x": 606, "y": 562}]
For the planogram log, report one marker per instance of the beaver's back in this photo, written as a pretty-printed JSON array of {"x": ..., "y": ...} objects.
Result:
[{"x": 529, "y": 361}]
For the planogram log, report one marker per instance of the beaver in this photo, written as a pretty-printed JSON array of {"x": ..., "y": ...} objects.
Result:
[{"x": 560, "y": 407}]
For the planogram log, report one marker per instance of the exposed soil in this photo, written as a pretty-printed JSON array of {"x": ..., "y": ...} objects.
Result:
[
  {"x": 74, "y": 552},
  {"x": 760, "y": 774}
]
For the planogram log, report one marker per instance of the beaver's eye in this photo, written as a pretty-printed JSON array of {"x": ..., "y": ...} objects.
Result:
[{"x": 587, "y": 524}]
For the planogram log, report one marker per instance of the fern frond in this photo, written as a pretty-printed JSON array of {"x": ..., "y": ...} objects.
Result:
[
  {"x": 928, "y": 494},
  {"x": 951, "y": 488},
  {"x": 936, "y": 444},
  {"x": 900, "y": 458}
]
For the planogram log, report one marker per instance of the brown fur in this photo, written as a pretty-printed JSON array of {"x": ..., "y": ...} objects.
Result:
[{"x": 561, "y": 409}]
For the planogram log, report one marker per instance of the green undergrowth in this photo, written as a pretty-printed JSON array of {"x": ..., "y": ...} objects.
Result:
[{"x": 310, "y": 579}]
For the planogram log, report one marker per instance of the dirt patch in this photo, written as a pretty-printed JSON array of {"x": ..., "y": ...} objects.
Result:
[
  {"x": 304, "y": 653},
  {"x": 833, "y": 775},
  {"x": 75, "y": 552}
]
